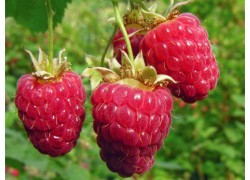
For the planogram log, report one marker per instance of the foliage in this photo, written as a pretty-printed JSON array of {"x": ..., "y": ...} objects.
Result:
[
  {"x": 30, "y": 14},
  {"x": 206, "y": 140}
]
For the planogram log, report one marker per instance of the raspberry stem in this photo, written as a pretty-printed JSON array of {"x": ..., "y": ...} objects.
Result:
[
  {"x": 50, "y": 15},
  {"x": 107, "y": 47},
  {"x": 120, "y": 24}
]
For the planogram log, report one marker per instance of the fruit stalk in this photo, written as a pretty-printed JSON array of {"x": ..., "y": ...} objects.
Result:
[
  {"x": 107, "y": 47},
  {"x": 123, "y": 30},
  {"x": 50, "y": 15}
]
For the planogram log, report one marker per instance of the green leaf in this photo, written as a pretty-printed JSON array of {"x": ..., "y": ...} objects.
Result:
[
  {"x": 233, "y": 134},
  {"x": 74, "y": 172},
  {"x": 209, "y": 167},
  {"x": 221, "y": 148},
  {"x": 32, "y": 13},
  {"x": 14, "y": 163},
  {"x": 237, "y": 166},
  {"x": 209, "y": 132},
  {"x": 239, "y": 99},
  {"x": 168, "y": 165},
  {"x": 10, "y": 87},
  {"x": 26, "y": 153},
  {"x": 10, "y": 118}
]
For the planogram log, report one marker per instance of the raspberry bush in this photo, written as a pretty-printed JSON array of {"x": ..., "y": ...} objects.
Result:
[{"x": 205, "y": 139}]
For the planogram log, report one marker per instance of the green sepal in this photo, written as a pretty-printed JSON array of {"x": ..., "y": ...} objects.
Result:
[
  {"x": 98, "y": 75},
  {"x": 139, "y": 61},
  {"x": 114, "y": 65},
  {"x": 94, "y": 76},
  {"x": 153, "y": 7},
  {"x": 135, "y": 74},
  {"x": 163, "y": 80},
  {"x": 93, "y": 61},
  {"x": 151, "y": 16},
  {"x": 148, "y": 75}
]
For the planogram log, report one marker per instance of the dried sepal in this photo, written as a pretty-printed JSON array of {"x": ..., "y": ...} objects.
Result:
[
  {"x": 164, "y": 80},
  {"x": 42, "y": 65},
  {"x": 43, "y": 60},
  {"x": 34, "y": 61},
  {"x": 142, "y": 19},
  {"x": 43, "y": 75},
  {"x": 151, "y": 16},
  {"x": 145, "y": 19},
  {"x": 173, "y": 11},
  {"x": 107, "y": 74},
  {"x": 127, "y": 68},
  {"x": 59, "y": 59},
  {"x": 111, "y": 20}
]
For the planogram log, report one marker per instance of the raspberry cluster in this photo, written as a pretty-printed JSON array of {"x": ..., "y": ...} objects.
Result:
[{"x": 132, "y": 104}]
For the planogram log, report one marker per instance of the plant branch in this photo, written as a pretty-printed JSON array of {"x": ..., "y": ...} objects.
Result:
[
  {"x": 120, "y": 24},
  {"x": 50, "y": 15},
  {"x": 107, "y": 47}
]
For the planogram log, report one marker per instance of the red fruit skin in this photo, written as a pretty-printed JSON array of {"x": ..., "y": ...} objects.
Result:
[
  {"x": 13, "y": 171},
  {"x": 52, "y": 112},
  {"x": 181, "y": 49},
  {"x": 131, "y": 125},
  {"x": 120, "y": 44}
]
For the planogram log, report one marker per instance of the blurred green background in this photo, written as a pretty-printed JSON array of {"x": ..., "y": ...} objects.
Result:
[{"x": 206, "y": 140}]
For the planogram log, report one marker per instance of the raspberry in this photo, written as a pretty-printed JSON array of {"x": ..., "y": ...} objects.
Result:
[
  {"x": 180, "y": 48},
  {"x": 120, "y": 44},
  {"x": 52, "y": 111},
  {"x": 131, "y": 124}
]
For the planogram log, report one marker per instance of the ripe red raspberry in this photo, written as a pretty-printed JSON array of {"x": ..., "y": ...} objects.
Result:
[
  {"x": 13, "y": 171},
  {"x": 180, "y": 48},
  {"x": 120, "y": 44},
  {"x": 52, "y": 111},
  {"x": 131, "y": 124}
]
